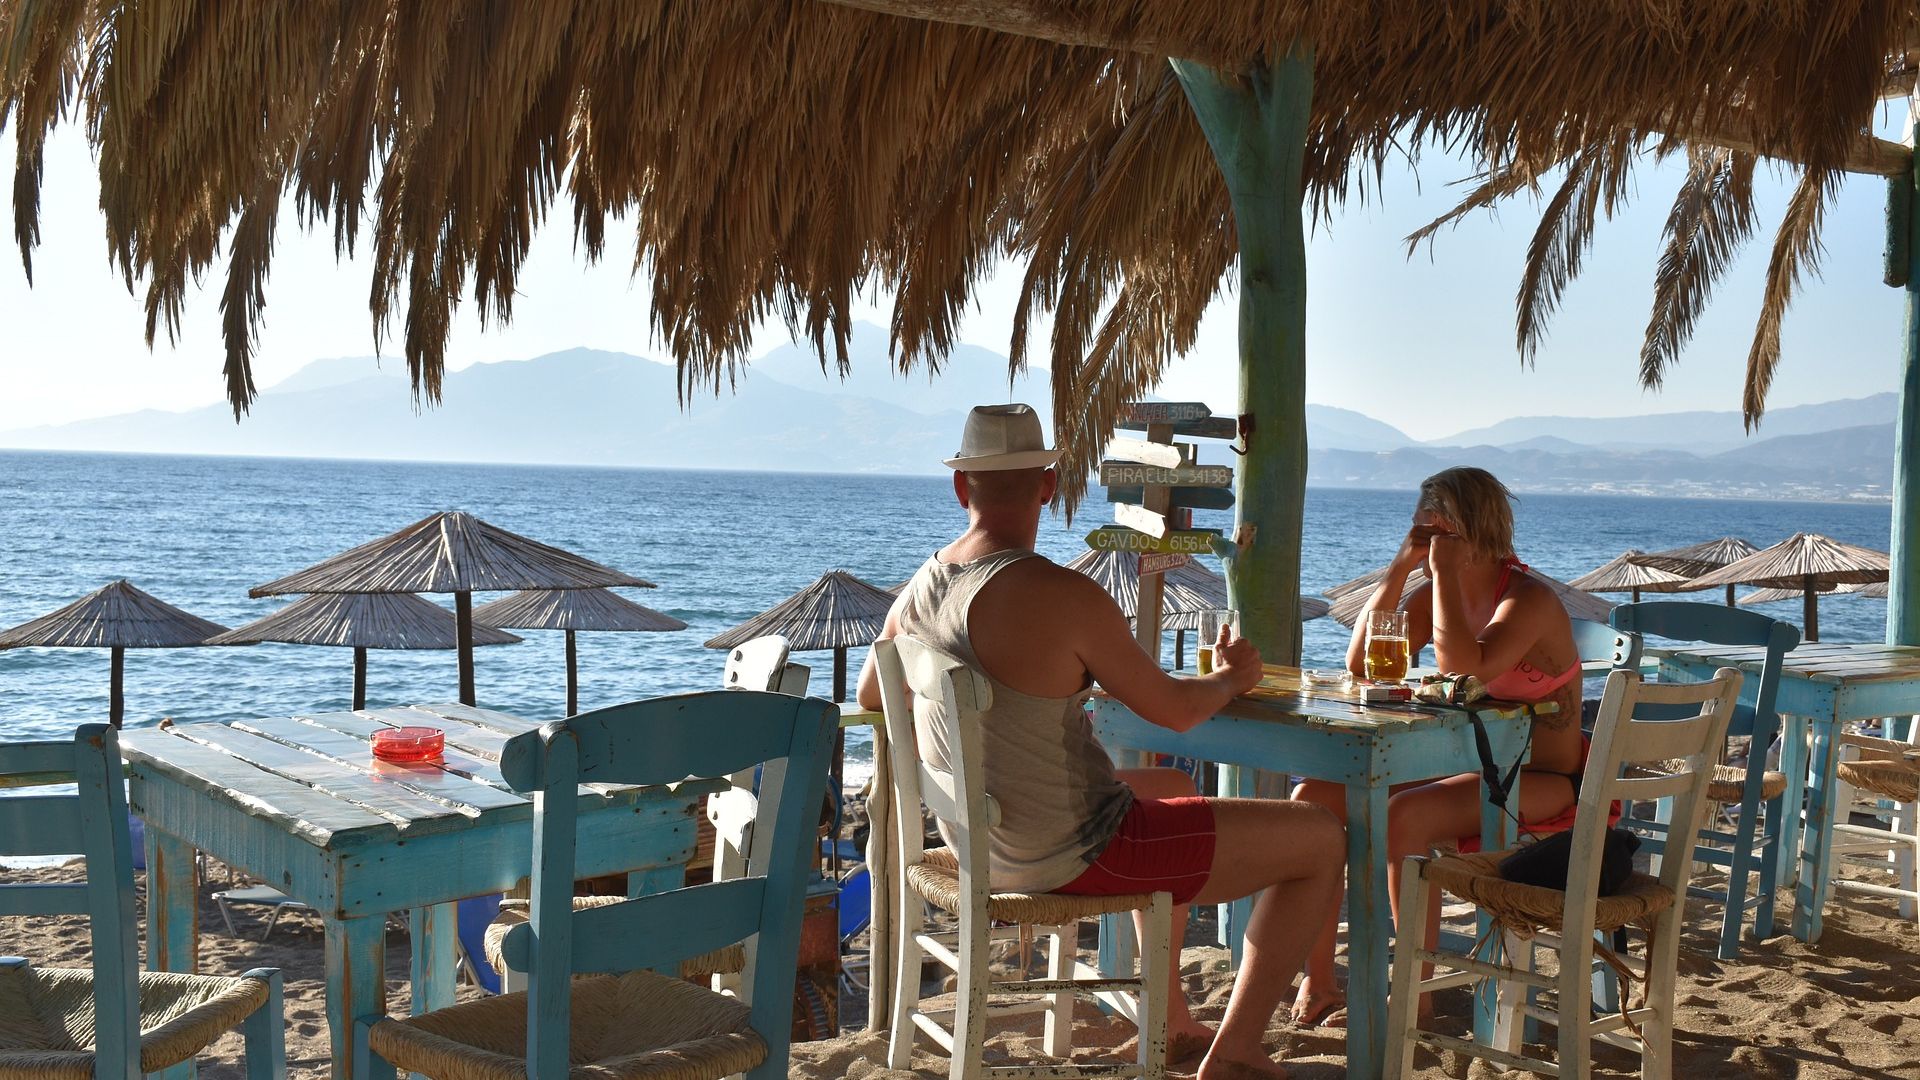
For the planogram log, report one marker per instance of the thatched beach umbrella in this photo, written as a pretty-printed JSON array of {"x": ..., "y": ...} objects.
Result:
[
  {"x": 838, "y": 611},
  {"x": 117, "y": 617},
  {"x": 1623, "y": 574},
  {"x": 1186, "y": 589},
  {"x": 451, "y": 552},
  {"x": 362, "y": 621},
  {"x": 1808, "y": 562},
  {"x": 1875, "y": 589},
  {"x": 1352, "y": 596},
  {"x": 1696, "y": 560},
  {"x": 573, "y": 610}
]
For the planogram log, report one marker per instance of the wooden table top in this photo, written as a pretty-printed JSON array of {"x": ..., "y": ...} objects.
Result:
[
  {"x": 316, "y": 778},
  {"x": 1286, "y": 696},
  {"x": 1825, "y": 662}
]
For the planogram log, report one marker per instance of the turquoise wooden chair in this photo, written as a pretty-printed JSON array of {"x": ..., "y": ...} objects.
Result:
[
  {"x": 1750, "y": 849},
  {"x": 113, "y": 1020},
  {"x": 629, "y": 1020}
]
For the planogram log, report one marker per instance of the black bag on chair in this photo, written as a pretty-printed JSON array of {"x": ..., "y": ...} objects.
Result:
[{"x": 1544, "y": 862}]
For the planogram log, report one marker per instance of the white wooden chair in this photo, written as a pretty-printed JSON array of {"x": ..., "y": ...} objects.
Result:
[
  {"x": 1876, "y": 772},
  {"x": 1530, "y": 916},
  {"x": 956, "y": 881}
]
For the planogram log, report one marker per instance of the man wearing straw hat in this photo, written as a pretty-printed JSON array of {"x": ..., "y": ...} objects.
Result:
[{"x": 1070, "y": 822}]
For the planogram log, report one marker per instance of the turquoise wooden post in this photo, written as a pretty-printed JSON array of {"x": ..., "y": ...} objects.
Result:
[
  {"x": 1256, "y": 123},
  {"x": 1903, "y": 590}
]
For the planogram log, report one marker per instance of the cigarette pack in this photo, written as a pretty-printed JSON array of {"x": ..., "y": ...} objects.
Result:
[{"x": 1385, "y": 695}]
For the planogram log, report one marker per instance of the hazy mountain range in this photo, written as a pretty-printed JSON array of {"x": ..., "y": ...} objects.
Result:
[{"x": 585, "y": 406}]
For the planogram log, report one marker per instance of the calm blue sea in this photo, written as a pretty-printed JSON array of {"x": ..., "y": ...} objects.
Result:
[{"x": 198, "y": 531}]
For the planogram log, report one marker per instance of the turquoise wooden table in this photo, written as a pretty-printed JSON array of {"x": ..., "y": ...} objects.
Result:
[
  {"x": 301, "y": 804},
  {"x": 1826, "y": 685},
  {"x": 1325, "y": 733}
]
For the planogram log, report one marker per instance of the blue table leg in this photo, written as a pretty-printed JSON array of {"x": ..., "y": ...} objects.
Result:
[
  {"x": 1496, "y": 834},
  {"x": 436, "y": 930},
  {"x": 356, "y": 981},
  {"x": 1793, "y": 762},
  {"x": 1816, "y": 857},
  {"x": 1369, "y": 926},
  {"x": 173, "y": 924},
  {"x": 1235, "y": 783}
]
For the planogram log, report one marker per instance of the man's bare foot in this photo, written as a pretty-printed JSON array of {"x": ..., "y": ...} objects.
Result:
[
  {"x": 1311, "y": 1008},
  {"x": 1188, "y": 1042},
  {"x": 1337, "y": 1018},
  {"x": 1216, "y": 1068}
]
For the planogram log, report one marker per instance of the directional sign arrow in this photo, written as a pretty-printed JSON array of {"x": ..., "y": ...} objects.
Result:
[
  {"x": 1197, "y": 498},
  {"x": 1164, "y": 455},
  {"x": 1213, "y": 427},
  {"x": 1183, "y": 541},
  {"x": 1140, "y": 519},
  {"x": 1127, "y": 474},
  {"x": 1155, "y": 563},
  {"x": 1167, "y": 412}
]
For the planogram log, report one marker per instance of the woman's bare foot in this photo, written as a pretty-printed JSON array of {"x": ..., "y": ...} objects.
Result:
[
  {"x": 1216, "y": 1068},
  {"x": 1188, "y": 1042},
  {"x": 1311, "y": 1007}
]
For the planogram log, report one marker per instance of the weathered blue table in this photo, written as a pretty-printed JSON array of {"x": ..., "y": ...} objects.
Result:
[
  {"x": 1325, "y": 733},
  {"x": 1827, "y": 685},
  {"x": 301, "y": 804}
]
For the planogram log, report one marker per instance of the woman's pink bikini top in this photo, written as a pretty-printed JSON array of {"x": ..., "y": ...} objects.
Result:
[{"x": 1524, "y": 682}]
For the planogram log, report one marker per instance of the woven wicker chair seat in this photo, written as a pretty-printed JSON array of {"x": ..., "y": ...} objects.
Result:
[
  {"x": 1729, "y": 783},
  {"x": 726, "y": 960},
  {"x": 46, "y": 1018},
  {"x": 1526, "y": 908},
  {"x": 1897, "y": 780},
  {"x": 635, "y": 1026},
  {"x": 938, "y": 880}
]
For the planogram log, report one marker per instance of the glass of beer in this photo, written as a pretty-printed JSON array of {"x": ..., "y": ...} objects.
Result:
[
  {"x": 1387, "y": 652},
  {"x": 1210, "y": 623}
]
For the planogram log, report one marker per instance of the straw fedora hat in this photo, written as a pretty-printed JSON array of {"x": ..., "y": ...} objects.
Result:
[{"x": 998, "y": 438}]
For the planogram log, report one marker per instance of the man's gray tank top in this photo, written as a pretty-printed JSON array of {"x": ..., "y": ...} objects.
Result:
[{"x": 1059, "y": 800}]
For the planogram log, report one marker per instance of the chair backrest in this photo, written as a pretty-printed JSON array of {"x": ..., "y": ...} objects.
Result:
[
  {"x": 920, "y": 685},
  {"x": 91, "y": 822},
  {"x": 1717, "y": 624},
  {"x": 659, "y": 741},
  {"x": 1598, "y": 642},
  {"x": 1682, "y": 746},
  {"x": 760, "y": 664}
]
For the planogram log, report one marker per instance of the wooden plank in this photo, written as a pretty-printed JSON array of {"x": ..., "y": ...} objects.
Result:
[
  {"x": 452, "y": 759},
  {"x": 1141, "y": 520},
  {"x": 1126, "y": 473},
  {"x": 427, "y": 778},
  {"x": 292, "y": 807},
  {"x": 1214, "y": 427},
  {"x": 481, "y": 741},
  {"x": 1184, "y": 541},
  {"x": 407, "y": 809},
  {"x": 505, "y": 723},
  {"x": 1167, "y": 412},
  {"x": 1153, "y": 562},
  {"x": 1163, "y": 455},
  {"x": 1196, "y": 498}
]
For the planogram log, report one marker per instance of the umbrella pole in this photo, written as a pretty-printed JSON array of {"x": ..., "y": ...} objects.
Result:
[
  {"x": 840, "y": 673},
  {"x": 1636, "y": 594},
  {"x": 573, "y": 678},
  {"x": 1179, "y": 649},
  {"x": 359, "y": 678},
  {"x": 116, "y": 700},
  {"x": 463, "y": 615},
  {"x": 1811, "y": 612},
  {"x": 1731, "y": 602}
]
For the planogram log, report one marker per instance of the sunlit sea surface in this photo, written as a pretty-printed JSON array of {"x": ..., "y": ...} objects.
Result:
[{"x": 199, "y": 531}]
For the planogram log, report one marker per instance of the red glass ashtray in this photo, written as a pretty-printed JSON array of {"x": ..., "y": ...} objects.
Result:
[{"x": 409, "y": 744}]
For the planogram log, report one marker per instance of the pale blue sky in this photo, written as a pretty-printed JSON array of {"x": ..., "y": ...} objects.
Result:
[{"x": 1387, "y": 335}]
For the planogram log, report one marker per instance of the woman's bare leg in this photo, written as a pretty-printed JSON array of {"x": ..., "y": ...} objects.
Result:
[{"x": 1319, "y": 993}]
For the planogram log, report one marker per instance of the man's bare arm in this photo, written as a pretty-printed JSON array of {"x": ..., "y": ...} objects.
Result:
[
  {"x": 1115, "y": 660},
  {"x": 868, "y": 693}
]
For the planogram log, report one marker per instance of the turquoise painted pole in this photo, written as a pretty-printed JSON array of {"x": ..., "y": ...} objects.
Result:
[
  {"x": 1903, "y": 587},
  {"x": 1256, "y": 123}
]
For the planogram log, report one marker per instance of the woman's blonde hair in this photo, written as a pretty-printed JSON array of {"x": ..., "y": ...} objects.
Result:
[{"x": 1475, "y": 503}]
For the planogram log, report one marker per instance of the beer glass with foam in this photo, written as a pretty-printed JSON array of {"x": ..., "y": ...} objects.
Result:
[
  {"x": 1210, "y": 623},
  {"x": 1387, "y": 652}
]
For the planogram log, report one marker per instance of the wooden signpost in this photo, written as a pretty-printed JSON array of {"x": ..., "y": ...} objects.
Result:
[
  {"x": 1154, "y": 562},
  {"x": 1128, "y": 474},
  {"x": 1186, "y": 498}
]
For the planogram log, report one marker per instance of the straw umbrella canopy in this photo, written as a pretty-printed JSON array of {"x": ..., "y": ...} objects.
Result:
[
  {"x": 1774, "y": 596},
  {"x": 1697, "y": 559},
  {"x": 1623, "y": 574},
  {"x": 838, "y": 611},
  {"x": 1875, "y": 589},
  {"x": 117, "y": 617},
  {"x": 1352, "y": 596},
  {"x": 454, "y": 552},
  {"x": 1808, "y": 562},
  {"x": 573, "y": 610},
  {"x": 362, "y": 621}
]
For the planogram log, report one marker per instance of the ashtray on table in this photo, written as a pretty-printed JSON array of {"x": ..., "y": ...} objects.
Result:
[
  {"x": 409, "y": 744},
  {"x": 1325, "y": 678}
]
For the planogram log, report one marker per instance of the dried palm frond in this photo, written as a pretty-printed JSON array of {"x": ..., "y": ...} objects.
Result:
[
  {"x": 1796, "y": 250},
  {"x": 1711, "y": 217}
]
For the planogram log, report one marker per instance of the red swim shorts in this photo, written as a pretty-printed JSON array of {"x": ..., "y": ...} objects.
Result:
[{"x": 1163, "y": 845}]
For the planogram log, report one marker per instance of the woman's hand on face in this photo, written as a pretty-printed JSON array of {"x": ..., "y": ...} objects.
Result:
[
  {"x": 1413, "y": 549},
  {"x": 1447, "y": 551}
]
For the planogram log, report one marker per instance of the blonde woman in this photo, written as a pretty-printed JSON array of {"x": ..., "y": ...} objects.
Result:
[{"x": 1485, "y": 617}]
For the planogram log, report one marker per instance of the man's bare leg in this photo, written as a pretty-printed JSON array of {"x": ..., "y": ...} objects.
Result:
[
  {"x": 1186, "y": 1037},
  {"x": 1299, "y": 880}
]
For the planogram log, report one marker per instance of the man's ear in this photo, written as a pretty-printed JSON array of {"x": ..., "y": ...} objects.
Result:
[
  {"x": 960, "y": 490},
  {"x": 1049, "y": 484}
]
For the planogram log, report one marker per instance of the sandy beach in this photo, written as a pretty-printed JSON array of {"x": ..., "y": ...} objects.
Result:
[{"x": 1849, "y": 1007}]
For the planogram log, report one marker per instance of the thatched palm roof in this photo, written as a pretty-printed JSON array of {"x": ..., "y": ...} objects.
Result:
[
  {"x": 115, "y": 616},
  {"x": 1624, "y": 573},
  {"x": 1801, "y": 561},
  {"x": 782, "y": 155},
  {"x": 448, "y": 552},
  {"x": 572, "y": 609},
  {"x": 1772, "y": 596},
  {"x": 1185, "y": 589},
  {"x": 1697, "y": 559},
  {"x": 837, "y": 611},
  {"x": 1579, "y": 603},
  {"x": 362, "y": 621}
]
